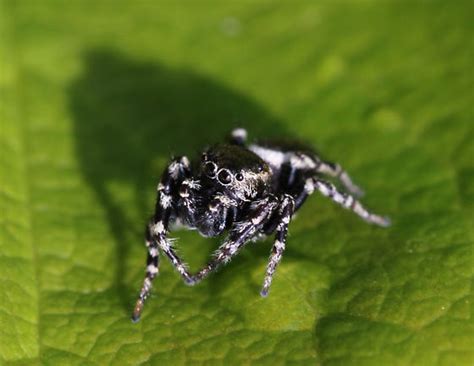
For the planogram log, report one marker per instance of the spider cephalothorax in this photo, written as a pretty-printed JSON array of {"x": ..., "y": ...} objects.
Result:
[
  {"x": 239, "y": 171},
  {"x": 226, "y": 179},
  {"x": 248, "y": 191}
]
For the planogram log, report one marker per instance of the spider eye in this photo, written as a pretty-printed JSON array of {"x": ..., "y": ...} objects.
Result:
[
  {"x": 210, "y": 169},
  {"x": 239, "y": 177},
  {"x": 224, "y": 176}
]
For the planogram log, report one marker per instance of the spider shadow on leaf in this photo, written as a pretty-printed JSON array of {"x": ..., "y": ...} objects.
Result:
[{"x": 128, "y": 114}]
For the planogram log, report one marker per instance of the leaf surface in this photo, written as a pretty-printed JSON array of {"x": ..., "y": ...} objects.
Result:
[{"x": 97, "y": 95}]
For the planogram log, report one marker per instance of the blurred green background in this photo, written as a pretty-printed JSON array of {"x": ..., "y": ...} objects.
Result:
[{"x": 95, "y": 97}]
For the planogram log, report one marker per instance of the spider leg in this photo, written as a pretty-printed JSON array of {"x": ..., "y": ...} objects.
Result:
[
  {"x": 287, "y": 208},
  {"x": 158, "y": 233},
  {"x": 186, "y": 190},
  {"x": 168, "y": 250},
  {"x": 239, "y": 236},
  {"x": 155, "y": 236},
  {"x": 345, "y": 200},
  {"x": 238, "y": 136},
  {"x": 152, "y": 270},
  {"x": 335, "y": 170},
  {"x": 300, "y": 192}
]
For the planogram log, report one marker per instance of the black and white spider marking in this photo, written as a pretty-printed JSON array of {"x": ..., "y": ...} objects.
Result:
[{"x": 248, "y": 191}]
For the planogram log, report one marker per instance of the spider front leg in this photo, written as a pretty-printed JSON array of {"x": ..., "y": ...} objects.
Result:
[
  {"x": 335, "y": 170},
  {"x": 286, "y": 211},
  {"x": 345, "y": 200},
  {"x": 239, "y": 236},
  {"x": 152, "y": 270},
  {"x": 156, "y": 231}
]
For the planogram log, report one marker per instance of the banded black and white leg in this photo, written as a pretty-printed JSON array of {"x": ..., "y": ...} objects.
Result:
[
  {"x": 152, "y": 269},
  {"x": 239, "y": 236},
  {"x": 186, "y": 191},
  {"x": 345, "y": 200},
  {"x": 238, "y": 136},
  {"x": 287, "y": 208},
  {"x": 155, "y": 236},
  {"x": 335, "y": 170}
]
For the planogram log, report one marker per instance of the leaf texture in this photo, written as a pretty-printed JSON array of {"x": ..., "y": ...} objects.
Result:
[{"x": 97, "y": 95}]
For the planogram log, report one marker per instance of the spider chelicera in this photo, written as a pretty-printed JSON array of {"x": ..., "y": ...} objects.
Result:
[{"x": 248, "y": 190}]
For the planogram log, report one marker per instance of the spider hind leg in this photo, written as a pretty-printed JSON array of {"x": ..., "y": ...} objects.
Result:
[
  {"x": 347, "y": 201},
  {"x": 334, "y": 170}
]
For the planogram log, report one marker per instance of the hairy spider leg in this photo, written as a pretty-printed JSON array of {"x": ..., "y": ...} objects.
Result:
[
  {"x": 239, "y": 236},
  {"x": 345, "y": 200},
  {"x": 335, "y": 170},
  {"x": 287, "y": 208},
  {"x": 155, "y": 236},
  {"x": 176, "y": 261},
  {"x": 220, "y": 204},
  {"x": 177, "y": 173}
]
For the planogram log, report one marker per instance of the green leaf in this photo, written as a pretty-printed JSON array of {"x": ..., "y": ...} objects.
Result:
[{"x": 97, "y": 95}]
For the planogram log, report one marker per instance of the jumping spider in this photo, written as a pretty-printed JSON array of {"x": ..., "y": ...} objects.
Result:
[{"x": 250, "y": 191}]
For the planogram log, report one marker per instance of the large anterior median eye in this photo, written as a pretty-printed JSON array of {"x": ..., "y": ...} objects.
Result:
[
  {"x": 210, "y": 169},
  {"x": 224, "y": 176}
]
